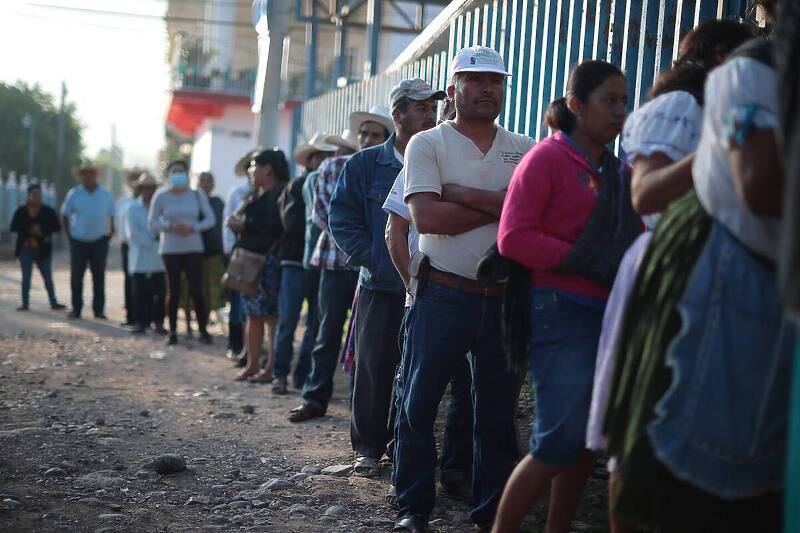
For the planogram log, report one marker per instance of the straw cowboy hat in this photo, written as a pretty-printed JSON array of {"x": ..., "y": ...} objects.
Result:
[
  {"x": 86, "y": 166},
  {"x": 346, "y": 140},
  {"x": 317, "y": 144},
  {"x": 244, "y": 162},
  {"x": 145, "y": 180},
  {"x": 378, "y": 113}
]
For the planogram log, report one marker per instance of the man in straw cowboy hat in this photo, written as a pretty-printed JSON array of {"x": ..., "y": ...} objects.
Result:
[
  {"x": 456, "y": 176},
  {"x": 358, "y": 223},
  {"x": 297, "y": 283},
  {"x": 144, "y": 261},
  {"x": 88, "y": 219},
  {"x": 337, "y": 279}
]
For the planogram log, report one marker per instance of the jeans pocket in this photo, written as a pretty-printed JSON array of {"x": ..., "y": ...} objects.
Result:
[{"x": 438, "y": 293}]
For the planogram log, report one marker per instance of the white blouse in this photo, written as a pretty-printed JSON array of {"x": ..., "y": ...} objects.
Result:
[
  {"x": 741, "y": 88},
  {"x": 669, "y": 124}
]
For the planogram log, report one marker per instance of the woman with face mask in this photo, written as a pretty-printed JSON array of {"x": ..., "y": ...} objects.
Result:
[{"x": 180, "y": 214}]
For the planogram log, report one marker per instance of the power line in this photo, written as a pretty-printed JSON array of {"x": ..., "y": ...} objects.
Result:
[{"x": 144, "y": 16}]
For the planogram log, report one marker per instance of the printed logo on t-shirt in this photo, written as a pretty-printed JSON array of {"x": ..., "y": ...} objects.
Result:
[{"x": 512, "y": 158}]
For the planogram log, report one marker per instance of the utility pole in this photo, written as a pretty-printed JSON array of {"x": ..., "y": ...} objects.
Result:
[
  {"x": 27, "y": 123},
  {"x": 272, "y": 24},
  {"x": 58, "y": 177}
]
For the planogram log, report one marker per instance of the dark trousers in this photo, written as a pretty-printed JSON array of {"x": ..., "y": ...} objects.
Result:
[
  {"x": 378, "y": 318},
  {"x": 192, "y": 265},
  {"x": 27, "y": 258},
  {"x": 129, "y": 305},
  {"x": 336, "y": 289},
  {"x": 455, "y": 460},
  {"x": 236, "y": 318},
  {"x": 148, "y": 298},
  {"x": 444, "y": 323},
  {"x": 297, "y": 285},
  {"x": 93, "y": 255}
]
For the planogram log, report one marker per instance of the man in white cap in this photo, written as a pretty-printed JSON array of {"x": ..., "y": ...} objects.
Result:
[
  {"x": 338, "y": 279},
  {"x": 297, "y": 284},
  {"x": 456, "y": 177},
  {"x": 358, "y": 224}
]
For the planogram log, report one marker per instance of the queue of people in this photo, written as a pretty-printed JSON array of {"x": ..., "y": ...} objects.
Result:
[{"x": 650, "y": 331}]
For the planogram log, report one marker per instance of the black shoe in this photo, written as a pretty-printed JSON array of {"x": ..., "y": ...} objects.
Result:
[
  {"x": 139, "y": 330},
  {"x": 100, "y": 316},
  {"x": 172, "y": 340},
  {"x": 127, "y": 324},
  {"x": 57, "y": 306},
  {"x": 161, "y": 330},
  {"x": 412, "y": 524},
  {"x": 280, "y": 386},
  {"x": 22, "y": 308},
  {"x": 74, "y": 315},
  {"x": 304, "y": 412},
  {"x": 205, "y": 338}
]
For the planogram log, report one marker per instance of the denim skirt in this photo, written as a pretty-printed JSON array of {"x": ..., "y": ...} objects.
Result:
[
  {"x": 265, "y": 300},
  {"x": 565, "y": 329}
]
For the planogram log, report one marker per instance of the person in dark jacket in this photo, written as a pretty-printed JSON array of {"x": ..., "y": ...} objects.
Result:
[
  {"x": 34, "y": 223},
  {"x": 295, "y": 285},
  {"x": 260, "y": 231}
]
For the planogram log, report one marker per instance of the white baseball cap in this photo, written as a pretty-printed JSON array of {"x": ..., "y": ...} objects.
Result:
[{"x": 478, "y": 59}]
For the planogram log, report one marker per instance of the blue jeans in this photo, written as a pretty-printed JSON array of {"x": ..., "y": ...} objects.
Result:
[
  {"x": 27, "y": 258},
  {"x": 290, "y": 305},
  {"x": 445, "y": 323},
  {"x": 336, "y": 288}
]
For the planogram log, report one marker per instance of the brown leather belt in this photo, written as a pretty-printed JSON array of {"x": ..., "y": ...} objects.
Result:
[{"x": 492, "y": 290}]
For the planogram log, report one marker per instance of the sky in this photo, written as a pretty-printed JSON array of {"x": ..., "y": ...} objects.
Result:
[{"x": 115, "y": 67}]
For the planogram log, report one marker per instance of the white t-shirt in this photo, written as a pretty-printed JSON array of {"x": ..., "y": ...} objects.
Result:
[
  {"x": 669, "y": 124},
  {"x": 394, "y": 204},
  {"x": 234, "y": 199},
  {"x": 442, "y": 156},
  {"x": 731, "y": 89}
]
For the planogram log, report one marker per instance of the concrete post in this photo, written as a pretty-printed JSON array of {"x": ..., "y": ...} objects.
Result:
[{"x": 272, "y": 24}]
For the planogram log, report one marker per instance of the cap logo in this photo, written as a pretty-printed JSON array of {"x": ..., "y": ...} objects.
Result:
[{"x": 472, "y": 60}]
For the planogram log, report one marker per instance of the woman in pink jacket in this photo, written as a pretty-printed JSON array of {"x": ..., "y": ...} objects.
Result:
[{"x": 568, "y": 219}]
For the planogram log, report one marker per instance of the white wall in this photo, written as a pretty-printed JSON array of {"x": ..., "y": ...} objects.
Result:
[{"x": 218, "y": 145}]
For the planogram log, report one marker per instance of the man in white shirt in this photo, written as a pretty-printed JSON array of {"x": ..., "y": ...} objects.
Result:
[
  {"x": 123, "y": 203},
  {"x": 456, "y": 177},
  {"x": 236, "y": 317}
]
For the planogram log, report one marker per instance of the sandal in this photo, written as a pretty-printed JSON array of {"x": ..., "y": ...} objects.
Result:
[
  {"x": 366, "y": 467},
  {"x": 265, "y": 376},
  {"x": 244, "y": 375}
]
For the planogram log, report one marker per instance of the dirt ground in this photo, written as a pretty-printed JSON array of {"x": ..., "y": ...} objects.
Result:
[{"x": 85, "y": 407}]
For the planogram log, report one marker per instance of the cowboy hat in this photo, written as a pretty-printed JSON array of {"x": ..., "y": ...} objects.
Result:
[
  {"x": 378, "y": 113},
  {"x": 145, "y": 180},
  {"x": 317, "y": 144},
  {"x": 240, "y": 169},
  {"x": 86, "y": 166},
  {"x": 346, "y": 140}
]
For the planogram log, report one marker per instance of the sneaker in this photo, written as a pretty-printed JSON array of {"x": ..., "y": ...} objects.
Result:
[
  {"x": 172, "y": 340},
  {"x": 100, "y": 316},
  {"x": 22, "y": 308},
  {"x": 57, "y": 306},
  {"x": 280, "y": 386},
  {"x": 127, "y": 324},
  {"x": 138, "y": 330},
  {"x": 74, "y": 315}
]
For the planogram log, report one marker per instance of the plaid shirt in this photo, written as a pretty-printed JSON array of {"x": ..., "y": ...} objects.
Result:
[{"x": 326, "y": 254}]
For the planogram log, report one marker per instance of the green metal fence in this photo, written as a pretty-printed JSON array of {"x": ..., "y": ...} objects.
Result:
[{"x": 540, "y": 41}]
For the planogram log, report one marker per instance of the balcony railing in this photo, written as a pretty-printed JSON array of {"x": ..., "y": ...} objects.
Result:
[{"x": 195, "y": 77}]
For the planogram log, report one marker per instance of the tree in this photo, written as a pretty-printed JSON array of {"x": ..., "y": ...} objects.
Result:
[{"x": 19, "y": 99}]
